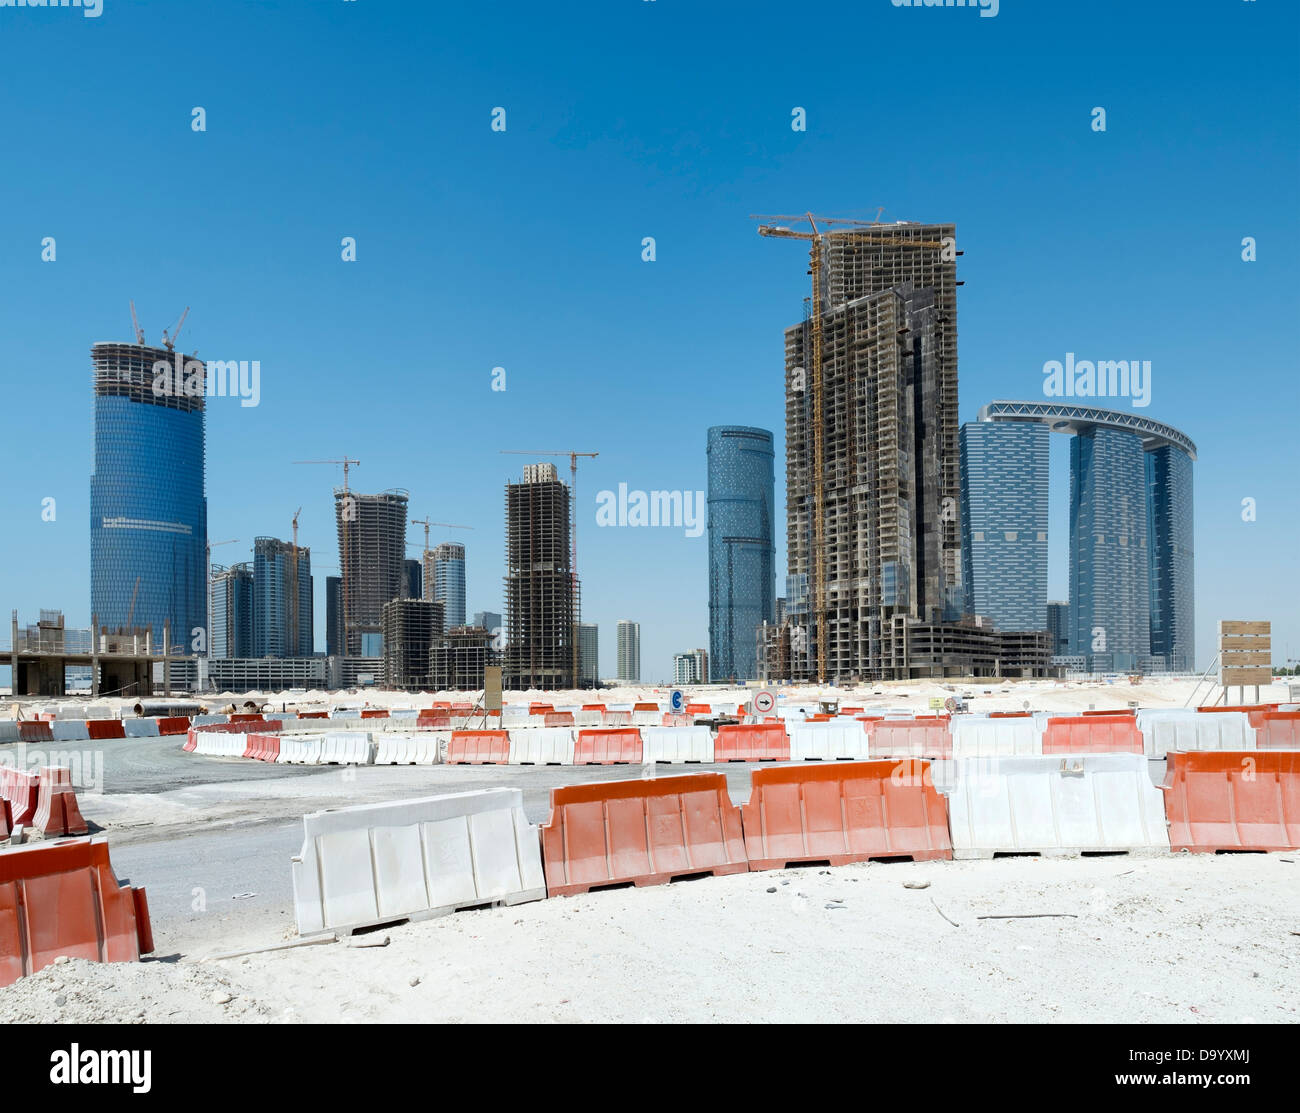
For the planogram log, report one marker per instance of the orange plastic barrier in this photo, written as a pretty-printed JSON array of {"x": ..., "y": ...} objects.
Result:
[
  {"x": 1247, "y": 707},
  {"x": 671, "y": 720},
  {"x": 432, "y": 722},
  {"x": 440, "y": 705},
  {"x": 62, "y": 898},
  {"x": 607, "y": 747},
  {"x": 173, "y": 725},
  {"x": 246, "y": 717},
  {"x": 105, "y": 728},
  {"x": 34, "y": 730},
  {"x": 313, "y": 714},
  {"x": 191, "y": 740},
  {"x": 5, "y": 831},
  {"x": 57, "y": 813},
  {"x": 1277, "y": 730},
  {"x": 1123, "y": 711},
  {"x": 462, "y": 708},
  {"x": 851, "y": 710},
  {"x": 925, "y": 738},
  {"x": 374, "y": 713},
  {"x": 478, "y": 747},
  {"x": 1011, "y": 715},
  {"x": 263, "y": 747},
  {"x": 540, "y": 708},
  {"x": 558, "y": 719},
  {"x": 752, "y": 742},
  {"x": 818, "y": 718},
  {"x": 594, "y": 707},
  {"x": 22, "y": 792},
  {"x": 643, "y": 832},
  {"x": 1233, "y": 799},
  {"x": 645, "y": 707},
  {"x": 844, "y": 813},
  {"x": 698, "y": 709},
  {"x": 1109, "y": 734}
]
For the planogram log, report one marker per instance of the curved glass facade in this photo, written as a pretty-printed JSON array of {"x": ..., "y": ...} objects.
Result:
[
  {"x": 742, "y": 584},
  {"x": 148, "y": 511}
]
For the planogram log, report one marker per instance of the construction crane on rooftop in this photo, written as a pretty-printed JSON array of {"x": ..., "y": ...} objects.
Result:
[
  {"x": 344, "y": 561},
  {"x": 169, "y": 342},
  {"x": 135, "y": 325},
  {"x": 573, "y": 537},
  {"x": 868, "y": 232}
]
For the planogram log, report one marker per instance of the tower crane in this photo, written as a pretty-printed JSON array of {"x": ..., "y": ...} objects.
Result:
[
  {"x": 424, "y": 556},
  {"x": 169, "y": 342}
]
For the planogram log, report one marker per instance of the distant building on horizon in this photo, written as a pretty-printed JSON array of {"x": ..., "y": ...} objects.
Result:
[
  {"x": 691, "y": 668},
  {"x": 148, "y": 507},
  {"x": 629, "y": 652},
  {"x": 489, "y": 620},
  {"x": 588, "y": 655},
  {"x": 232, "y": 611},
  {"x": 414, "y": 578},
  {"x": 333, "y": 616},
  {"x": 372, "y": 555},
  {"x": 1058, "y": 628},
  {"x": 742, "y": 550},
  {"x": 411, "y": 627},
  {"x": 282, "y": 589}
]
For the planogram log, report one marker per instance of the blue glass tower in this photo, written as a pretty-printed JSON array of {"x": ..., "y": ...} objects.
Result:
[
  {"x": 148, "y": 511},
  {"x": 742, "y": 584},
  {"x": 1004, "y": 487},
  {"x": 282, "y": 616},
  {"x": 232, "y": 611},
  {"x": 1169, "y": 507},
  {"x": 449, "y": 581}
]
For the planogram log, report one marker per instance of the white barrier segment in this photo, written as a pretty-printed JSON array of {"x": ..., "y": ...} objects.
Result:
[
  {"x": 206, "y": 720},
  {"x": 374, "y": 863},
  {"x": 827, "y": 741},
  {"x": 1178, "y": 729},
  {"x": 140, "y": 728},
  {"x": 541, "y": 745},
  {"x": 1055, "y": 805},
  {"x": 676, "y": 744},
  {"x": 213, "y": 743},
  {"x": 9, "y": 730},
  {"x": 647, "y": 718},
  {"x": 347, "y": 747},
  {"x": 423, "y": 747},
  {"x": 995, "y": 737},
  {"x": 588, "y": 718},
  {"x": 70, "y": 730},
  {"x": 299, "y": 749}
]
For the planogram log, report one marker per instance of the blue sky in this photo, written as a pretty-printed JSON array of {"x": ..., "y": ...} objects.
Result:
[{"x": 522, "y": 249}]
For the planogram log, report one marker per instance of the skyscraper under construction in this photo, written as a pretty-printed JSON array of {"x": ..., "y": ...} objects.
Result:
[
  {"x": 372, "y": 556},
  {"x": 873, "y": 531},
  {"x": 541, "y": 591}
]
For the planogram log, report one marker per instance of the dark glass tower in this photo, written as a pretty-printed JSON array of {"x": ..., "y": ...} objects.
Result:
[
  {"x": 148, "y": 510},
  {"x": 742, "y": 583}
]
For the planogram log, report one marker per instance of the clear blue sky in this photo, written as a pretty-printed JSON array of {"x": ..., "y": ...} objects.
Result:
[{"x": 522, "y": 249}]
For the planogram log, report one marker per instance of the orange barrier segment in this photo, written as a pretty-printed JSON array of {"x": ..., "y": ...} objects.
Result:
[
  {"x": 173, "y": 725},
  {"x": 105, "y": 728},
  {"x": 374, "y": 713},
  {"x": 1109, "y": 734},
  {"x": 540, "y": 708},
  {"x": 558, "y": 719},
  {"x": 246, "y": 717},
  {"x": 22, "y": 791},
  {"x": 698, "y": 709},
  {"x": 432, "y": 722},
  {"x": 191, "y": 741},
  {"x": 1233, "y": 800},
  {"x": 683, "y": 720},
  {"x": 594, "y": 707},
  {"x": 1277, "y": 730},
  {"x": 1130, "y": 712},
  {"x": 643, "y": 832},
  {"x": 1011, "y": 715},
  {"x": 62, "y": 898},
  {"x": 57, "y": 813},
  {"x": 842, "y": 813},
  {"x": 478, "y": 747},
  {"x": 5, "y": 829},
  {"x": 34, "y": 730},
  {"x": 1248, "y": 707},
  {"x": 262, "y": 747},
  {"x": 924, "y": 738},
  {"x": 752, "y": 742},
  {"x": 600, "y": 746},
  {"x": 313, "y": 714},
  {"x": 645, "y": 707}
]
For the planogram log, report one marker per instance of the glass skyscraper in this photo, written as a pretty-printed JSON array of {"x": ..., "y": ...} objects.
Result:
[
  {"x": 449, "y": 581},
  {"x": 282, "y": 615},
  {"x": 742, "y": 574},
  {"x": 1004, "y": 487},
  {"x": 1169, "y": 528},
  {"x": 232, "y": 611},
  {"x": 629, "y": 651},
  {"x": 148, "y": 510}
]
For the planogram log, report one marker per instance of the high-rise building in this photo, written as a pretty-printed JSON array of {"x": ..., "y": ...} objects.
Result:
[
  {"x": 448, "y": 561},
  {"x": 148, "y": 510},
  {"x": 372, "y": 555},
  {"x": 691, "y": 668},
  {"x": 489, "y": 620},
  {"x": 629, "y": 652},
  {"x": 1058, "y": 628},
  {"x": 541, "y": 596},
  {"x": 742, "y": 578},
  {"x": 410, "y": 629},
  {"x": 282, "y": 586},
  {"x": 414, "y": 579},
  {"x": 333, "y": 616},
  {"x": 889, "y": 538},
  {"x": 1004, "y": 487},
  {"x": 588, "y": 655},
  {"x": 460, "y": 658},
  {"x": 232, "y": 611},
  {"x": 1131, "y": 554}
]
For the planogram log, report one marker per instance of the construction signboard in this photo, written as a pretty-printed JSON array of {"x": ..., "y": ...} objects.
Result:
[{"x": 1245, "y": 653}]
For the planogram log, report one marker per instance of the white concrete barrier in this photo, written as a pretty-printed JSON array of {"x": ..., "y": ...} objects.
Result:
[
  {"x": 1055, "y": 805},
  {"x": 347, "y": 747},
  {"x": 140, "y": 728},
  {"x": 70, "y": 730},
  {"x": 1178, "y": 729},
  {"x": 423, "y": 747},
  {"x": 588, "y": 718},
  {"x": 995, "y": 737},
  {"x": 9, "y": 730},
  {"x": 300, "y": 749},
  {"x": 541, "y": 745},
  {"x": 374, "y": 863},
  {"x": 214, "y": 743},
  {"x": 647, "y": 718},
  {"x": 676, "y": 744},
  {"x": 207, "y": 720},
  {"x": 827, "y": 741}
]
